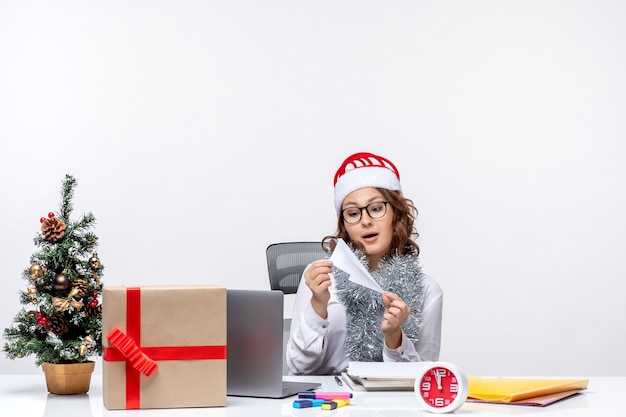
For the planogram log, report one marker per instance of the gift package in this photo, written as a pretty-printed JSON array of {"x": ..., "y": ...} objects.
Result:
[{"x": 164, "y": 346}]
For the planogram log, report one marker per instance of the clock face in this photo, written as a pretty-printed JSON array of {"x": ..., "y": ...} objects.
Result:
[{"x": 440, "y": 387}]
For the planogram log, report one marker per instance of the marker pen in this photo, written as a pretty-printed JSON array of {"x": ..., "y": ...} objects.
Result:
[
  {"x": 307, "y": 403},
  {"x": 341, "y": 395},
  {"x": 331, "y": 405}
]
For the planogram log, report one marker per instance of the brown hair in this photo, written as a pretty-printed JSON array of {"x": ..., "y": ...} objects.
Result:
[{"x": 404, "y": 232}]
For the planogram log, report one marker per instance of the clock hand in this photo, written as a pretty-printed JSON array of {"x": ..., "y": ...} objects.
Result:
[{"x": 438, "y": 378}]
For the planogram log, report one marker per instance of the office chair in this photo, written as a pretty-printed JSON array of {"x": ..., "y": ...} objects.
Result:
[{"x": 286, "y": 262}]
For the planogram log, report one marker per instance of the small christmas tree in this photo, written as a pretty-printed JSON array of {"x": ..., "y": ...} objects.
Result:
[{"x": 62, "y": 322}]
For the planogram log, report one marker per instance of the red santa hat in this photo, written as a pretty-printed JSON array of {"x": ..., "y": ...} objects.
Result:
[{"x": 363, "y": 170}]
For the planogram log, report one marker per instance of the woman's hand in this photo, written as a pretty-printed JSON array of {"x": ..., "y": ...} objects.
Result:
[
  {"x": 396, "y": 313},
  {"x": 317, "y": 279}
]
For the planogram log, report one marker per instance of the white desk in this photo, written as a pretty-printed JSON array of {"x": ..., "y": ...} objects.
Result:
[{"x": 26, "y": 396}]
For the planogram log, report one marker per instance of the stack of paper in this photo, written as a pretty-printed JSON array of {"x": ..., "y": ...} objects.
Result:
[
  {"x": 382, "y": 376},
  {"x": 523, "y": 391}
]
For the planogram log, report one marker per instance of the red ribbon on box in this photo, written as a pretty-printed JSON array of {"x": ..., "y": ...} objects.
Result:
[{"x": 127, "y": 347}]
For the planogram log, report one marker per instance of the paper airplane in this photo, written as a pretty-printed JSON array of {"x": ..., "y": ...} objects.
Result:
[{"x": 344, "y": 259}]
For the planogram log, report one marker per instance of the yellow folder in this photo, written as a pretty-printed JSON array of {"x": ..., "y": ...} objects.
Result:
[{"x": 508, "y": 390}]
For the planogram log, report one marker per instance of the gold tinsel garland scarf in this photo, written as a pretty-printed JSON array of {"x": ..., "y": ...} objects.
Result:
[{"x": 401, "y": 275}]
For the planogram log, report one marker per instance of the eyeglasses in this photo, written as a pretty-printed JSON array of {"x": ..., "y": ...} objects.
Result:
[{"x": 375, "y": 210}]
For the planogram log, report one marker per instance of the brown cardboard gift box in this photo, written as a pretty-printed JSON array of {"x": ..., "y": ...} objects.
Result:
[{"x": 164, "y": 346}]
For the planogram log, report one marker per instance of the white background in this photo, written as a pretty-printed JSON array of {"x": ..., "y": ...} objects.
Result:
[{"x": 202, "y": 131}]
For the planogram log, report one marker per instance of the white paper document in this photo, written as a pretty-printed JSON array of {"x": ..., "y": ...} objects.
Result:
[
  {"x": 344, "y": 259},
  {"x": 382, "y": 376}
]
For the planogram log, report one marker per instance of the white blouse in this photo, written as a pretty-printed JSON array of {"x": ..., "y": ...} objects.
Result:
[{"x": 316, "y": 346}]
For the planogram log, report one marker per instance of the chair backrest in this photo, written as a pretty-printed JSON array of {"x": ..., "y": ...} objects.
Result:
[{"x": 286, "y": 262}]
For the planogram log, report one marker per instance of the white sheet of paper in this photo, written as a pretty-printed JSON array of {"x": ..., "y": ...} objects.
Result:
[{"x": 344, "y": 259}]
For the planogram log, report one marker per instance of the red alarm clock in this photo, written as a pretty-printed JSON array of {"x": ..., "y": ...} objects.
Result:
[{"x": 441, "y": 387}]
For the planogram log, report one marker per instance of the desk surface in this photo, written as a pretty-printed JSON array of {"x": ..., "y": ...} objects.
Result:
[{"x": 26, "y": 395}]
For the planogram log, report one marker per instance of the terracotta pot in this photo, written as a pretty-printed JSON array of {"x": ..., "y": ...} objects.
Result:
[{"x": 68, "y": 378}]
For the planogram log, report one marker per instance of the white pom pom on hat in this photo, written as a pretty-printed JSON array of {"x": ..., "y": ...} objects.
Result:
[{"x": 363, "y": 170}]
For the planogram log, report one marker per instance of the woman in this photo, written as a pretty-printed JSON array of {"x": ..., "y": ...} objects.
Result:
[{"x": 336, "y": 320}]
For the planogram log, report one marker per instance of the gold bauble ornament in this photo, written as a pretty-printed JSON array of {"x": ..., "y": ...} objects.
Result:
[
  {"x": 94, "y": 261},
  {"x": 88, "y": 341},
  {"x": 32, "y": 294},
  {"x": 82, "y": 350},
  {"x": 36, "y": 271}
]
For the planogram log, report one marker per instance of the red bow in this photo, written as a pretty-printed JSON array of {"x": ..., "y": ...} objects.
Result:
[{"x": 127, "y": 347}]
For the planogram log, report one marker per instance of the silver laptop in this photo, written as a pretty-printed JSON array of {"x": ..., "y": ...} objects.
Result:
[{"x": 254, "y": 346}]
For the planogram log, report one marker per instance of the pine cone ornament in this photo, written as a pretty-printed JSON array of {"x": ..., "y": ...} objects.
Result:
[
  {"x": 32, "y": 315},
  {"x": 53, "y": 229},
  {"x": 93, "y": 311},
  {"x": 57, "y": 325},
  {"x": 81, "y": 287}
]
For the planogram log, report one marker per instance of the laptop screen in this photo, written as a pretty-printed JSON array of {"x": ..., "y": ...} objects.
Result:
[{"x": 254, "y": 342}]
